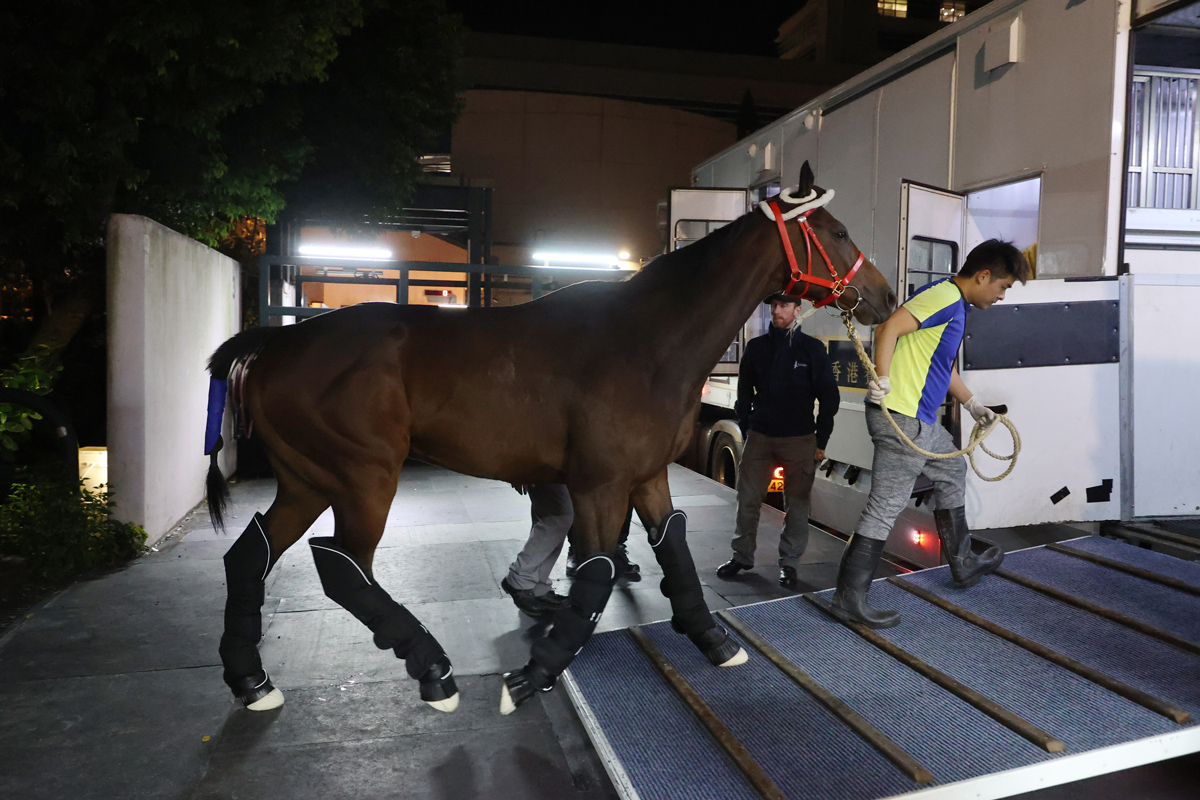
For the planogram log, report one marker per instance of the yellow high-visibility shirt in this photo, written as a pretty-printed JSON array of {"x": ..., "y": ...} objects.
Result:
[{"x": 924, "y": 359}]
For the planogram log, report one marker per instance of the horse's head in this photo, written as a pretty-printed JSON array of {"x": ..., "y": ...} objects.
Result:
[{"x": 824, "y": 265}]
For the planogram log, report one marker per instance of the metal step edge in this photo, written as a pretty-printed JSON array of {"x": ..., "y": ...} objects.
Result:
[
  {"x": 1066, "y": 768},
  {"x": 608, "y": 757}
]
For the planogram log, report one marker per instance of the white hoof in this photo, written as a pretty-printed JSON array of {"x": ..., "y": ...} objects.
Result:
[
  {"x": 272, "y": 700},
  {"x": 507, "y": 706},
  {"x": 448, "y": 705},
  {"x": 738, "y": 659}
]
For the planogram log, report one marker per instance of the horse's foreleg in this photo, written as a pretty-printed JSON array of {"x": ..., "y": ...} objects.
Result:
[
  {"x": 247, "y": 564},
  {"x": 667, "y": 530},
  {"x": 344, "y": 565},
  {"x": 594, "y": 534}
]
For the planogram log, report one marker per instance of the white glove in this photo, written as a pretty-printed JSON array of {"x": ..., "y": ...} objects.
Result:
[
  {"x": 979, "y": 411},
  {"x": 877, "y": 391}
]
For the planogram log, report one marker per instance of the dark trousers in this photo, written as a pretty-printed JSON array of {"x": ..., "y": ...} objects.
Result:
[{"x": 760, "y": 456}]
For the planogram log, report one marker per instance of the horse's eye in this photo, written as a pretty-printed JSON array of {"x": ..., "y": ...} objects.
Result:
[{"x": 841, "y": 235}]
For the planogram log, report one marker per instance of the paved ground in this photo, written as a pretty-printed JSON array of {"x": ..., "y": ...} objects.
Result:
[{"x": 113, "y": 688}]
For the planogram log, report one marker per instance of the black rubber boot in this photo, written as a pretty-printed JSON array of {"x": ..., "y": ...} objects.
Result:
[
  {"x": 247, "y": 563},
  {"x": 625, "y": 568},
  {"x": 849, "y": 603},
  {"x": 966, "y": 567},
  {"x": 394, "y": 626}
]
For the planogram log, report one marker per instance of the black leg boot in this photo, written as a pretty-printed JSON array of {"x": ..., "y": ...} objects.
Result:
[
  {"x": 681, "y": 585},
  {"x": 394, "y": 626},
  {"x": 573, "y": 626},
  {"x": 849, "y": 602},
  {"x": 247, "y": 563},
  {"x": 966, "y": 567}
]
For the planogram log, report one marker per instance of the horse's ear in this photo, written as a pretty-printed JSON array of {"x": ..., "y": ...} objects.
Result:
[{"x": 806, "y": 180}]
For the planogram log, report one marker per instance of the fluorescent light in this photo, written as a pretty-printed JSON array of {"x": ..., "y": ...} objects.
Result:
[
  {"x": 338, "y": 251},
  {"x": 577, "y": 258},
  {"x": 452, "y": 305}
]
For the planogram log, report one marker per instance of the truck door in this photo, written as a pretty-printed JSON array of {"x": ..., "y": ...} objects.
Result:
[
  {"x": 693, "y": 214},
  {"x": 931, "y": 236}
]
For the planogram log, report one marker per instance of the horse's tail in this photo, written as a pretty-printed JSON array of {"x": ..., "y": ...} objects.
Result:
[{"x": 240, "y": 349}]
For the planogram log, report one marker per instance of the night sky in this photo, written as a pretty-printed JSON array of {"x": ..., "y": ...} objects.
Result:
[{"x": 748, "y": 28}]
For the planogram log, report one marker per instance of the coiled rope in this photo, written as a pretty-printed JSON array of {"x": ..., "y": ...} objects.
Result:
[{"x": 980, "y": 432}]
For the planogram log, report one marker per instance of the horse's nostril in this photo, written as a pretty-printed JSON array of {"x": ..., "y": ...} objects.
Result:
[{"x": 891, "y": 301}]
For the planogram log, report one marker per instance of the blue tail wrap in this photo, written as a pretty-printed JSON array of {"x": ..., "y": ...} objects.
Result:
[{"x": 216, "y": 411}]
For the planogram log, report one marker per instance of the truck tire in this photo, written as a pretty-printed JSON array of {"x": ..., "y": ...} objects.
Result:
[{"x": 723, "y": 462}]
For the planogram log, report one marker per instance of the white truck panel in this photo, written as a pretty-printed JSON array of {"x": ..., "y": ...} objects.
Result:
[
  {"x": 1069, "y": 419},
  {"x": 914, "y": 108},
  {"x": 1051, "y": 112},
  {"x": 1165, "y": 378}
]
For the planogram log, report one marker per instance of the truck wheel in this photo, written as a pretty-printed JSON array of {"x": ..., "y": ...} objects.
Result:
[{"x": 723, "y": 463}]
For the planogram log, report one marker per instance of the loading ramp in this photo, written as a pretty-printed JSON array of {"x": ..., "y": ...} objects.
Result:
[{"x": 1078, "y": 659}]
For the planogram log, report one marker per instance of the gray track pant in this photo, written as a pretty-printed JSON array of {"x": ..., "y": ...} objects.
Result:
[
  {"x": 550, "y": 507},
  {"x": 896, "y": 466},
  {"x": 760, "y": 456}
]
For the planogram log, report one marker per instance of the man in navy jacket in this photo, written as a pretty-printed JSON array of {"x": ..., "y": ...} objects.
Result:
[{"x": 782, "y": 373}]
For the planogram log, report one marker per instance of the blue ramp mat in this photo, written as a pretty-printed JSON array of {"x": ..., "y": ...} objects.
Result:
[
  {"x": 810, "y": 754},
  {"x": 796, "y": 740},
  {"x": 1080, "y": 713},
  {"x": 665, "y": 751},
  {"x": 1171, "y": 567},
  {"x": 1138, "y": 660},
  {"x": 1150, "y": 602},
  {"x": 932, "y": 725}
]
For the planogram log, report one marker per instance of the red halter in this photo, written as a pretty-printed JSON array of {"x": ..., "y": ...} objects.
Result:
[{"x": 837, "y": 286}]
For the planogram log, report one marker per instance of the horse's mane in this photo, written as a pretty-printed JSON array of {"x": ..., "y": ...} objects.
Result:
[{"x": 682, "y": 269}]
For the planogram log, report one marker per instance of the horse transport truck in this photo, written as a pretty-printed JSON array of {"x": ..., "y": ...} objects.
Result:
[{"x": 1070, "y": 129}]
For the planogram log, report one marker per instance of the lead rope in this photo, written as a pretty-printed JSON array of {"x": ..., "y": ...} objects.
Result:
[{"x": 978, "y": 433}]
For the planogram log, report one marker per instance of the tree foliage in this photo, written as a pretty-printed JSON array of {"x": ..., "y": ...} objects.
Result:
[
  {"x": 63, "y": 530},
  {"x": 200, "y": 114},
  {"x": 33, "y": 373}
]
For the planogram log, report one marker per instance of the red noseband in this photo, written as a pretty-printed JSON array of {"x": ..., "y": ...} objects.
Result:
[{"x": 836, "y": 286}]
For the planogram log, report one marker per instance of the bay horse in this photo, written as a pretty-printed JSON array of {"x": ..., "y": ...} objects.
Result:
[{"x": 524, "y": 394}]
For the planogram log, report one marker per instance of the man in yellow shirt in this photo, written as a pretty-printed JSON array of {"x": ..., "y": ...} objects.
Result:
[{"x": 915, "y": 351}]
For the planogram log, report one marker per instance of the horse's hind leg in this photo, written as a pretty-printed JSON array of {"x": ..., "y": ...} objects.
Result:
[
  {"x": 344, "y": 564},
  {"x": 247, "y": 563},
  {"x": 667, "y": 530},
  {"x": 594, "y": 534}
]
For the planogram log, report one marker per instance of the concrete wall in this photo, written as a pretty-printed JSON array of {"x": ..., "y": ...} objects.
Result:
[
  {"x": 171, "y": 302},
  {"x": 578, "y": 174}
]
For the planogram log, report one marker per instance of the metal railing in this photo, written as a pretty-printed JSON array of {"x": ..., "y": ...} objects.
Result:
[{"x": 277, "y": 271}]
